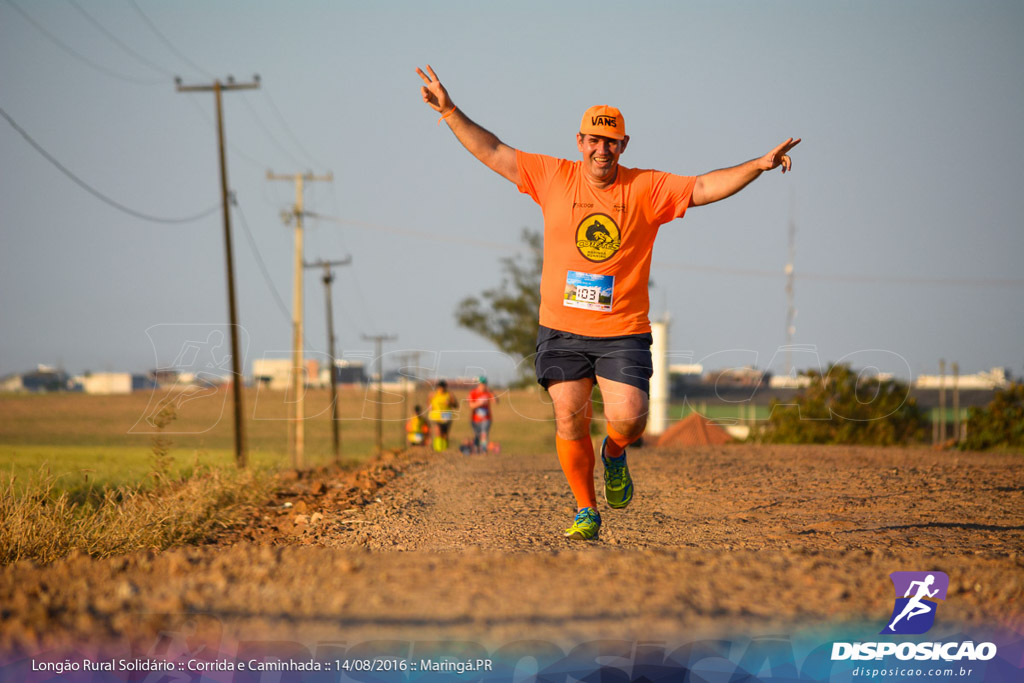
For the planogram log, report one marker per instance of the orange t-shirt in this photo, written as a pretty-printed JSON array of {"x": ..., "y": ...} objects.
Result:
[{"x": 598, "y": 242}]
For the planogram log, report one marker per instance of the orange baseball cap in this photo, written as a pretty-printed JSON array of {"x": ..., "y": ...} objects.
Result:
[{"x": 603, "y": 120}]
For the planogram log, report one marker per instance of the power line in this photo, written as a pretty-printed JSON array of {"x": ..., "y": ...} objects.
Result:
[
  {"x": 78, "y": 55},
  {"x": 416, "y": 233},
  {"x": 348, "y": 314},
  {"x": 288, "y": 130},
  {"x": 259, "y": 260},
  {"x": 96, "y": 193},
  {"x": 117, "y": 41},
  {"x": 168, "y": 43},
  {"x": 235, "y": 150},
  {"x": 266, "y": 130},
  {"x": 217, "y": 88}
]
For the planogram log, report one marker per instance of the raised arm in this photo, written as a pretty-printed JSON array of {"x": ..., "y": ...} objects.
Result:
[
  {"x": 725, "y": 182},
  {"x": 480, "y": 142}
]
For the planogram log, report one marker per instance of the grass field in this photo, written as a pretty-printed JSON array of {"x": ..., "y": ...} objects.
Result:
[
  {"x": 89, "y": 441},
  {"x": 104, "y": 475},
  {"x": 107, "y": 441}
]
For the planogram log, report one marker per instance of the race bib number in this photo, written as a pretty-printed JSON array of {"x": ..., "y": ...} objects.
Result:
[{"x": 589, "y": 291}]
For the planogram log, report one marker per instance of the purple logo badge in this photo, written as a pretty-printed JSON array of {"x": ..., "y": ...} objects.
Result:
[{"x": 917, "y": 596}]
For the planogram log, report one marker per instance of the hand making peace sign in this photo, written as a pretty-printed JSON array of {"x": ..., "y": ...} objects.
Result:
[
  {"x": 779, "y": 156},
  {"x": 434, "y": 93}
]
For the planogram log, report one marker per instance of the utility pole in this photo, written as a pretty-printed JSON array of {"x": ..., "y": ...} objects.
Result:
[
  {"x": 942, "y": 402},
  {"x": 297, "y": 435},
  {"x": 328, "y": 278},
  {"x": 956, "y": 402},
  {"x": 237, "y": 379},
  {"x": 379, "y": 339}
]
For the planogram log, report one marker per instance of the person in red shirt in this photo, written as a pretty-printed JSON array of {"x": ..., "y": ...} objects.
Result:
[
  {"x": 600, "y": 223},
  {"x": 480, "y": 400}
]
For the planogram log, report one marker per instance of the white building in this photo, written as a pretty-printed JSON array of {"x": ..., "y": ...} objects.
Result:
[
  {"x": 996, "y": 378},
  {"x": 106, "y": 383},
  {"x": 789, "y": 382},
  {"x": 686, "y": 369},
  {"x": 276, "y": 373}
]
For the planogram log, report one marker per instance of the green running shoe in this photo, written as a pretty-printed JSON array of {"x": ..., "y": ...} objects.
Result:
[
  {"x": 585, "y": 526},
  {"x": 618, "y": 485}
]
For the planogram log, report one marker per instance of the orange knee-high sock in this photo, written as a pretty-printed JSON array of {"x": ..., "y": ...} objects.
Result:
[
  {"x": 616, "y": 444},
  {"x": 577, "y": 460}
]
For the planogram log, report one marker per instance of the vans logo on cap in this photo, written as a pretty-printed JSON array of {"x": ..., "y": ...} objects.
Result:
[{"x": 602, "y": 120}]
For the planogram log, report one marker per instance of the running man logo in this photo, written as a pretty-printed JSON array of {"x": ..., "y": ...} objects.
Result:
[
  {"x": 914, "y": 613},
  {"x": 598, "y": 237}
]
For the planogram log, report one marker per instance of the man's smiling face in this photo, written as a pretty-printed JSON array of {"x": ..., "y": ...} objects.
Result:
[{"x": 600, "y": 157}]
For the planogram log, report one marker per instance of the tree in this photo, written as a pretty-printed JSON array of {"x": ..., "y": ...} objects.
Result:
[
  {"x": 507, "y": 316},
  {"x": 1000, "y": 424},
  {"x": 844, "y": 407}
]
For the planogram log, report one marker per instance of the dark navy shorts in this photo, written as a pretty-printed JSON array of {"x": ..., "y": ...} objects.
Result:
[{"x": 565, "y": 356}]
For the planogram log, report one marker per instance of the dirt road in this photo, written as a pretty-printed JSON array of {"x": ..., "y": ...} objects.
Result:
[{"x": 749, "y": 539}]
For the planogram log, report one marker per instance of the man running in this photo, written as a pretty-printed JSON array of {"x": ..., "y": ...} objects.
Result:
[
  {"x": 480, "y": 400},
  {"x": 600, "y": 221}
]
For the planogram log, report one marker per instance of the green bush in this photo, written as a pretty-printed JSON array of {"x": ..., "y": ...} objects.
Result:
[
  {"x": 845, "y": 407},
  {"x": 1000, "y": 424}
]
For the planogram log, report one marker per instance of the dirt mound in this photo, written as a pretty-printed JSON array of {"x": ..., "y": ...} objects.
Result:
[{"x": 694, "y": 430}]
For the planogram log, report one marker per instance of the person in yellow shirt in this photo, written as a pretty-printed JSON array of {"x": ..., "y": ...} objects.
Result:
[
  {"x": 442, "y": 406},
  {"x": 417, "y": 429}
]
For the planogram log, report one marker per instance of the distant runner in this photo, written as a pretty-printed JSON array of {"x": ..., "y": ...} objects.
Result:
[
  {"x": 600, "y": 221},
  {"x": 480, "y": 400},
  {"x": 417, "y": 429},
  {"x": 441, "y": 406}
]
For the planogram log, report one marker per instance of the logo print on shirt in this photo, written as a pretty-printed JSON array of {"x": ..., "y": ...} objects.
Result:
[{"x": 598, "y": 237}]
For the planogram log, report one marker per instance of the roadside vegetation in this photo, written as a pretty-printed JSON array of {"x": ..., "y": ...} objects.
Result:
[
  {"x": 106, "y": 475},
  {"x": 40, "y": 522},
  {"x": 842, "y": 406},
  {"x": 1000, "y": 424}
]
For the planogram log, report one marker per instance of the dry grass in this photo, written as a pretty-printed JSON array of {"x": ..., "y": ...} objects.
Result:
[
  {"x": 106, "y": 475},
  {"x": 39, "y": 522}
]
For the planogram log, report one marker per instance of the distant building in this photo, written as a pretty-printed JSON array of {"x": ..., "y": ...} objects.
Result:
[
  {"x": 683, "y": 377},
  {"x": 44, "y": 378},
  {"x": 106, "y": 383},
  {"x": 689, "y": 372},
  {"x": 276, "y": 373},
  {"x": 746, "y": 376},
  {"x": 165, "y": 377},
  {"x": 345, "y": 372},
  {"x": 996, "y": 378},
  {"x": 144, "y": 382},
  {"x": 9, "y": 383},
  {"x": 789, "y": 382}
]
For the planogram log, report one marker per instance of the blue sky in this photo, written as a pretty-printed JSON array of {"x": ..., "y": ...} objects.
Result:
[{"x": 905, "y": 191}]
